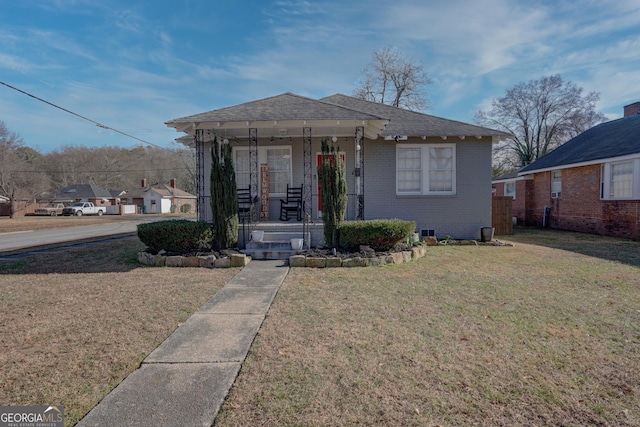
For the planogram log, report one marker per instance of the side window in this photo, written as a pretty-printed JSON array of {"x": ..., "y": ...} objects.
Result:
[
  {"x": 510, "y": 189},
  {"x": 622, "y": 180},
  {"x": 409, "y": 173},
  {"x": 425, "y": 169},
  {"x": 556, "y": 184}
]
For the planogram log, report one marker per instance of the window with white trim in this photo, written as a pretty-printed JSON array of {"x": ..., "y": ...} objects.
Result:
[
  {"x": 277, "y": 157},
  {"x": 556, "y": 184},
  {"x": 510, "y": 189},
  {"x": 425, "y": 169},
  {"x": 621, "y": 180}
]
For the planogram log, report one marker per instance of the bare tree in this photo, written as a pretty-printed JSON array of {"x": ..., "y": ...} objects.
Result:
[
  {"x": 21, "y": 175},
  {"x": 392, "y": 79},
  {"x": 541, "y": 115},
  {"x": 118, "y": 168}
]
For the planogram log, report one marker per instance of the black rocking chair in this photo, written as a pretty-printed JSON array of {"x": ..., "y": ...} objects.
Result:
[
  {"x": 246, "y": 210},
  {"x": 292, "y": 205},
  {"x": 245, "y": 204}
]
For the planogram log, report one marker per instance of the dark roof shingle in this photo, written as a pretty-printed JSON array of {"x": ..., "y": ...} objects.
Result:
[
  {"x": 412, "y": 123},
  {"x": 608, "y": 140}
]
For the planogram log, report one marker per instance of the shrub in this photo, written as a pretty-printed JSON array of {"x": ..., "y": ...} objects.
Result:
[
  {"x": 333, "y": 191},
  {"x": 379, "y": 234},
  {"x": 175, "y": 235},
  {"x": 186, "y": 208},
  {"x": 224, "y": 197}
]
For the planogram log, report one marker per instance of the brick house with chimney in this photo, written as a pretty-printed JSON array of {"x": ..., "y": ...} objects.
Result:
[
  {"x": 160, "y": 198},
  {"x": 589, "y": 184}
]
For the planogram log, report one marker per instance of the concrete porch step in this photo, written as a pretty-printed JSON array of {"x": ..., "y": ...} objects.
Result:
[
  {"x": 271, "y": 254},
  {"x": 274, "y": 245},
  {"x": 283, "y": 236}
]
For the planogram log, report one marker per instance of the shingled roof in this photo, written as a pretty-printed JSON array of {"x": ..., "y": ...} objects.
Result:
[
  {"x": 609, "y": 140},
  {"x": 412, "y": 123},
  {"x": 287, "y": 106},
  {"x": 288, "y": 113},
  {"x": 83, "y": 191}
]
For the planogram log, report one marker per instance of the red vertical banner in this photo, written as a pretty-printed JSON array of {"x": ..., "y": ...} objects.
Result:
[{"x": 264, "y": 192}]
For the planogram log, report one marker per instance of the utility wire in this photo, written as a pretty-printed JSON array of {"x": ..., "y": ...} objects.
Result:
[{"x": 100, "y": 125}]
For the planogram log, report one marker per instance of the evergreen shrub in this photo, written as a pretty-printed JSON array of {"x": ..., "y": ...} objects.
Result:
[
  {"x": 178, "y": 235},
  {"x": 378, "y": 234}
]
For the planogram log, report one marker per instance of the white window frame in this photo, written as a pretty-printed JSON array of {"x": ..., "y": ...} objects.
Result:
[
  {"x": 556, "y": 183},
  {"x": 424, "y": 170},
  {"x": 607, "y": 180},
  {"x": 262, "y": 158},
  {"x": 506, "y": 189}
]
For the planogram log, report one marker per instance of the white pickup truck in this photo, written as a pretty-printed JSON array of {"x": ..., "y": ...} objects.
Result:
[{"x": 84, "y": 208}]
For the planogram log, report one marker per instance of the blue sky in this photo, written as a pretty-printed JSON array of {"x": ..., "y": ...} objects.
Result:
[{"x": 132, "y": 65}]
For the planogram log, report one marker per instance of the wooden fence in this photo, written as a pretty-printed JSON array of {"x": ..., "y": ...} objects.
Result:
[{"x": 501, "y": 214}]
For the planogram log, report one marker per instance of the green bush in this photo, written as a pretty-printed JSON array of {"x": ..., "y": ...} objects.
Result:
[
  {"x": 379, "y": 234},
  {"x": 186, "y": 208},
  {"x": 179, "y": 235}
]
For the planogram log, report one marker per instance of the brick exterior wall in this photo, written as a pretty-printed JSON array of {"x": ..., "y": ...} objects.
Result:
[{"x": 580, "y": 208}]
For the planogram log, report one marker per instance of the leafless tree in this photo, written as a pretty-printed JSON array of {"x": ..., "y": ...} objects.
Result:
[
  {"x": 392, "y": 79},
  {"x": 118, "y": 168},
  {"x": 21, "y": 175},
  {"x": 541, "y": 115}
]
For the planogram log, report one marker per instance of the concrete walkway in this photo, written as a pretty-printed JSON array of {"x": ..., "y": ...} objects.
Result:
[{"x": 186, "y": 379}]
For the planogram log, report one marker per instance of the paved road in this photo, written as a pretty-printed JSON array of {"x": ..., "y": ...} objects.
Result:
[{"x": 27, "y": 239}]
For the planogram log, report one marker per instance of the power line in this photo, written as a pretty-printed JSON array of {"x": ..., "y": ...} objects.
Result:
[{"x": 100, "y": 125}]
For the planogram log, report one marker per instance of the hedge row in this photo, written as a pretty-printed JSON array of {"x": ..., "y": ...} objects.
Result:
[
  {"x": 179, "y": 235},
  {"x": 378, "y": 234}
]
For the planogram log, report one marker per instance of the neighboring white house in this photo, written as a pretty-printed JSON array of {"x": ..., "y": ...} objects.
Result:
[{"x": 161, "y": 198}]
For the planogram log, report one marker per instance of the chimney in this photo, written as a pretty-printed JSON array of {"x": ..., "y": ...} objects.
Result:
[
  {"x": 172, "y": 184},
  {"x": 143, "y": 184},
  {"x": 631, "y": 109}
]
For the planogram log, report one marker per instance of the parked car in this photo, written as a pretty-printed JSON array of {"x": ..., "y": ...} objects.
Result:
[
  {"x": 84, "y": 208},
  {"x": 52, "y": 209}
]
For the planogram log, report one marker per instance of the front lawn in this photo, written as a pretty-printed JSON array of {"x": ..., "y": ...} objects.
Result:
[
  {"x": 492, "y": 336},
  {"x": 75, "y": 323},
  {"x": 543, "y": 333}
]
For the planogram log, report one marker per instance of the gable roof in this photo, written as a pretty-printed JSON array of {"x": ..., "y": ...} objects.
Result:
[
  {"x": 288, "y": 112},
  {"x": 83, "y": 191},
  {"x": 164, "y": 190},
  {"x": 412, "y": 123},
  {"x": 609, "y": 140}
]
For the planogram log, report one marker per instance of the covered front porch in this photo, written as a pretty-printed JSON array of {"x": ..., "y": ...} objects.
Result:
[{"x": 276, "y": 145}]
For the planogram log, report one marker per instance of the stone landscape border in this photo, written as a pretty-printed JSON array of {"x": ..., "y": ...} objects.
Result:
[
  {"x": 208, "y": 261},
  {"x": 330, "y": 262},
  {"x": 240, "y": 260}
]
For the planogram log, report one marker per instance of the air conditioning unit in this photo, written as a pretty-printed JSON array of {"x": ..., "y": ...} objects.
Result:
[{"x": 555, "y": 195}]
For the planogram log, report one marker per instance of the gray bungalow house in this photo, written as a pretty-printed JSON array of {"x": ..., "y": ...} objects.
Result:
[
  {"x": 589, "y": 184},
  {"x": 399, "y": 163}
]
